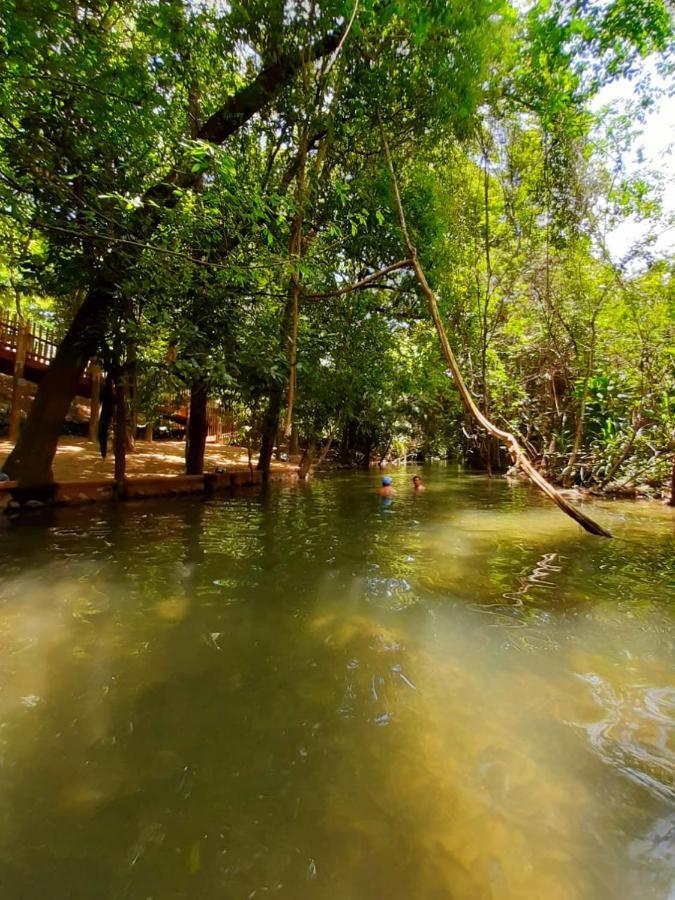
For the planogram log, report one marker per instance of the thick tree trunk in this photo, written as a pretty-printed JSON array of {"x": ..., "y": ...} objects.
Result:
[
  {"x": 517, "y": 453},
  {"x": 197, "y": 430},
  {"x": 30, "y": 462},
  {"x": 270, "y": 427}
]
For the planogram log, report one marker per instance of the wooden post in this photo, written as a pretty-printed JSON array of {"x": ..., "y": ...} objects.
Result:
[
  {"x": 22, "y": 340},
  {"x": 95, "y": 373},
  {"x": 149, "y": 427}
]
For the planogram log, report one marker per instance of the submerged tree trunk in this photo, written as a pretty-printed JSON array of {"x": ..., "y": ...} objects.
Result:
[
  {"x": 517, "y": 453},
  {"x": 307, "y": 460},
  {"x": 310, "y": 460},
  {"x": 30, "y": 462},
  {"x": 197, "y": 429}
]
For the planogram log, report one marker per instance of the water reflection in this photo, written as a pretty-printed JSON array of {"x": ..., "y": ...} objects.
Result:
[{"x": 302, "y": 694}]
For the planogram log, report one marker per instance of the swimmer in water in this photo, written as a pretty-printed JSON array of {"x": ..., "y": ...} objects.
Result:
[
  {"x": 387, "y": 488},
  {"x": 417, "y": 483}
]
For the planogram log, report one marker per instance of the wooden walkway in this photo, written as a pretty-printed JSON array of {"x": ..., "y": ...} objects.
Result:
[
  {"x": 34, "y": 343},
  {"x": 26, "y": 352}
]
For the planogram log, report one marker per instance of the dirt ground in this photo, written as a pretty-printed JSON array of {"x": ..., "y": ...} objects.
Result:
[{"x": 78, "y": 459}]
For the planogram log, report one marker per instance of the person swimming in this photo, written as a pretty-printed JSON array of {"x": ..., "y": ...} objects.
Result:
[
  {"x": 417, "y": 483},
  {"x": 387, "y": 488}
]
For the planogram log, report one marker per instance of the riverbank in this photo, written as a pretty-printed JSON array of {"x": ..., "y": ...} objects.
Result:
[
  {"x": 78, "y": 459},
  {"x": 153, "y": 470}
]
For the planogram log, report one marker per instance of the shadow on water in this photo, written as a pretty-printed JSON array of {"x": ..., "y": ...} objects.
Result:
[{"x": 308, "y": 692}]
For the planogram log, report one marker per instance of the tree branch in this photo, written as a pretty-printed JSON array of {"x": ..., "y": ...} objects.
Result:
[
  {"x": 365, "y": 282},
  {"x": 517, "y": 453}
]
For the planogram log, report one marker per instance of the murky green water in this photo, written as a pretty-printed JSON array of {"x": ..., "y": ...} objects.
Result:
[{"x": 311, "y": 694}]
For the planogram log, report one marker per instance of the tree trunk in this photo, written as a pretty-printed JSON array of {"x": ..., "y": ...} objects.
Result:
[
  {"x": 121, "y": 422},
  {"x": 486, "y": 306},
  {"x": 672, "y": 484},
  {"x": 270, "y": 422},
  {"x": 307, "y": 459},
  {"x": 621, "y": 458},
  {"x": 96, "y": 375},
  {"x": 197, "y": 429},
  {"x": 294, "y": 254},
  {"x": 270, "y": 427},
  {"x": 132, "y": 399},
  {"x": 30, "y": 462},
  {"x": 294, "y": 445},
  {"x": 517, "y": 453},
  {"x": 367, "y": 452},
  {"x": 581, "y": 418}
]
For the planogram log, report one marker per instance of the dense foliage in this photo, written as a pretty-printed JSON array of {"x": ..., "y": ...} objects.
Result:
[{"x": 188, "y": 189}]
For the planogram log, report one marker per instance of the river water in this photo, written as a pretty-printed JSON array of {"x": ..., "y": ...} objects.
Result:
[{"x": 313, "y": 692}]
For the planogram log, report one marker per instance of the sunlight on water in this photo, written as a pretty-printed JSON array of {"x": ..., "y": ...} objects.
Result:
[{"x": 310, "y": 693}]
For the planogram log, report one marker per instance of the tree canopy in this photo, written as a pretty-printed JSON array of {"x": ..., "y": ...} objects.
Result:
[{"x": 190, "y": 190}]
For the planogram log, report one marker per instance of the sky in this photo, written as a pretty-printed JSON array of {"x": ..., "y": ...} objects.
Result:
[{"x": 656, "y": 141}]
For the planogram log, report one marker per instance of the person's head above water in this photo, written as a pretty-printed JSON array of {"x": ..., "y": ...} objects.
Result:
[
  {"x": 417, "y": 479},
  {"x": 387, "y": 481}
]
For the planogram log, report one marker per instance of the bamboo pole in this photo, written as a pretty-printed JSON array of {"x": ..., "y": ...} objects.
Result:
[{"x": 518, "y": 455}]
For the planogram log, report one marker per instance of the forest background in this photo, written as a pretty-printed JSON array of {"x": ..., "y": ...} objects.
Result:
[{"x": 196, "y": 195}]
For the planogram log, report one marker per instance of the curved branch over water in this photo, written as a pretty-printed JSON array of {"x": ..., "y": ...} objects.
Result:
[{"x": 518, "y": 455}]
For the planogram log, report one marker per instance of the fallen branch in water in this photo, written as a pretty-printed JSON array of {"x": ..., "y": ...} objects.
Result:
[{"x": 517, "y": 453}]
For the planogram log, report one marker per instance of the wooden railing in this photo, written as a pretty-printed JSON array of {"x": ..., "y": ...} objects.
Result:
[
  {"x": 35, "y": 347},
  {"x": 40, "y": 348}
]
